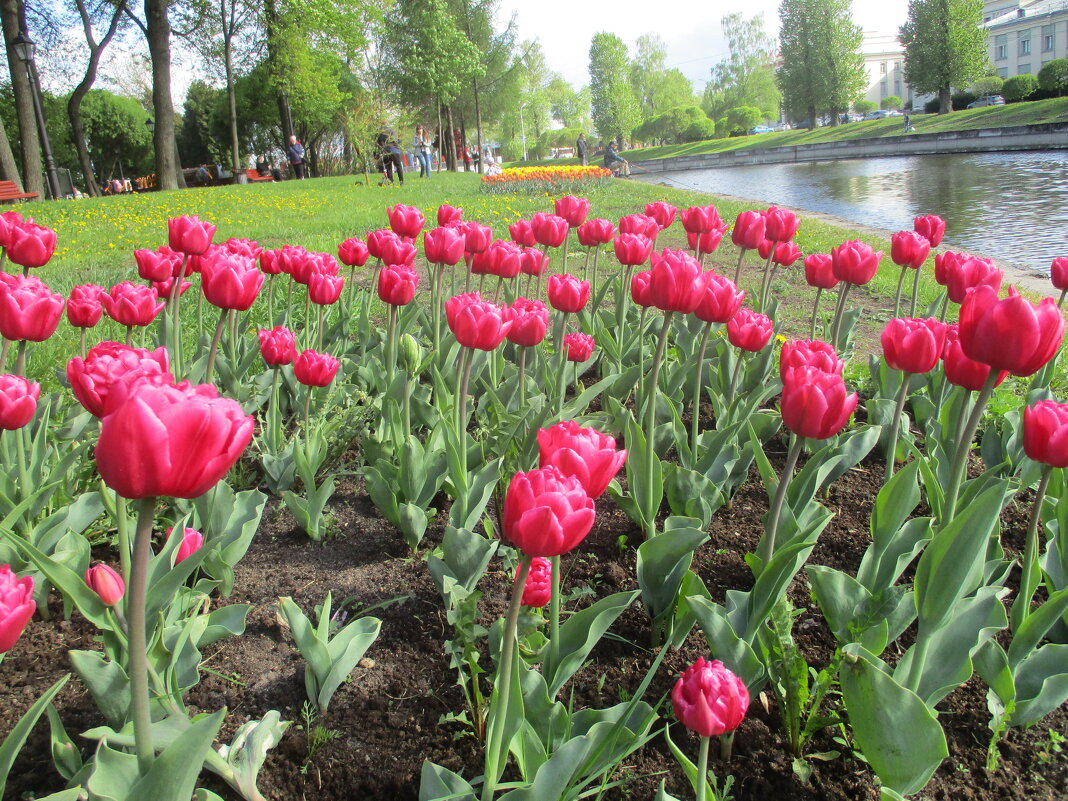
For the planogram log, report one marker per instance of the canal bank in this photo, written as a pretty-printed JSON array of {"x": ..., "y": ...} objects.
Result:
[{"x": 1042, "y": 137}]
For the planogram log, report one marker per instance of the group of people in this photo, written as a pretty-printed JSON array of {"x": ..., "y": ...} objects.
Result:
[
  {"x": 389, "y": 155},
  {"x": 612, "y": 160}
]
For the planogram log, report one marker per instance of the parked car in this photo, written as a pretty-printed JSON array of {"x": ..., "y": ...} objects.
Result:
[
  {"x": 879, "y": 114},
  {"x": 759, "y": 129},
  {"x": 988, "y": 100}
]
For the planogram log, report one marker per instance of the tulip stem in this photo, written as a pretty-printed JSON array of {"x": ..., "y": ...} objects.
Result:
[
  {"x": 436, "y": 284},
  {"x": 307, "y": 411},
  {"x": 24, "y": 476},
  {"x": 738, "y": 269},
  {"x": 945, "y": 307},
  {"x": 20, "y": 357},
  {"x": 319, "y": 339},
  {"x": 231, "y": 342},
  {"x": 815, "y": 312},
  {"x": 696, "y": 413},
  {"x": 122, "y": 529},
  {"x": 650, "y": 421},
  {"x": 289, "y": 300},
  {"x": 839, "y": 312},
  {"x": 1030, "y": 572},
  {"x": 895, "y": 426},
  {"x": 499, "y": 714},
  {"x": 129, "y": 340},
  {"x": 522, "y": 378},
  {"x": 466, "y": 359},
  {"x": 391, "y": 343},
  {"x": 621, "y": 311},
  {"x": 270, "y": 300},
  {"x": 702, "y": 769},
  {"x": 307, "y": 315},
  {"x": 765, "y": 281},
  {"x": 215, "y": 346},
  {"x": 138, "y": 653},
  {"x": 561, "y": 386},
  {"x": 964, "y": 445},
  {"x": 176, "y": 285},
  {"x": 726, "y": 744},
  {"x": 596, "y": 258},
  {"x": 897, "y": 295},
  {"x": 553, "y": 657},
  {"x": 3, "y": 352},
  {"x": 735, "y": 374},
  {"x": 81, "y": 341},
  {"x": 915, "y": 292},
  {"x": 766, "y": 548},
  {"x": 1060, "y": 300}
]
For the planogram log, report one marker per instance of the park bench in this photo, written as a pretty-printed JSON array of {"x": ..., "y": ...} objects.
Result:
[
  {"x": 253, "y": 175},
  {"x": 8, "y": 191}
]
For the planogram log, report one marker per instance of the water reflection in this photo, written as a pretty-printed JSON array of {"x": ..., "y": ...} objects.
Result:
[{"x": 1011, "y": 206}]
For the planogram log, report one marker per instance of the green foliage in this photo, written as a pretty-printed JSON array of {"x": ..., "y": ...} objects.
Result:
[
  {"x": 746, "y": 77},
  {"x": 891, "y": 103},
  {"x": 1053, "y": 77},
  {"x": 615, "y": 110},
  {"x": 987, "y": 85},
  {"x": 1019, "y": 87},
  {"x": 865, "y": 106},
  {"x": 945, "y": 45},
  {"x": 742, "y": 118},
  {"x": 680, "y": 124},
  {"x": 657, "y": 88}
]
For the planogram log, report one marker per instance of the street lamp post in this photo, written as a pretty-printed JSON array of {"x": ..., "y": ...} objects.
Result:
[{"x": 24, "y": 49}]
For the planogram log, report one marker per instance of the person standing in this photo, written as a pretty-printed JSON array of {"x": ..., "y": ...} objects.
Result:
[
  {"x": 582, "y": 150},
  {"x": 422, "y": 148},
  {"x": 391, "y": 154},
  {"x": 295, "y": 151}
]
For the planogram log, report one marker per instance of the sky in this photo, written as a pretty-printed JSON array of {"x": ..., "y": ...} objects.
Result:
[{"x": 690, "y": 28}]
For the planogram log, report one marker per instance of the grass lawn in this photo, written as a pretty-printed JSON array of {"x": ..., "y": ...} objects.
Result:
[
  {"x": 1040, "y": 111},
  {"x": 97, "y": 238}
]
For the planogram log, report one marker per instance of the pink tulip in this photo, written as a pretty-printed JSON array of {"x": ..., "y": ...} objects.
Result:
[
  {"x": 189, "y": 235},
  {"x": 18, "y": 401},
  {"x": 29, "y": 310},
  {"x": 315, "y": 369},
  {"x": 16, "y": 606},
  {"x": 584, "y": 453},
  {"x": 104, "y": 378}
]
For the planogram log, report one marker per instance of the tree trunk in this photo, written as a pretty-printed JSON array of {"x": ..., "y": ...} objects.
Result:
[
  {"x": 9, "y": 171},
  {"x": 159, "y": 47},
  {"x": 812, "y": 118},
  {"x": 12, "y": 17},
  {"x": 231, "y": 96},
  {"x": 449, "y": 140},
  {"x": 285, "y": 114},
  {"x": 945, "y": 100},
  {"x": 478, "y": 124}
]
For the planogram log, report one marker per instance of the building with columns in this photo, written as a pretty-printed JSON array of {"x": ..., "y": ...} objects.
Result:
[{"x": 1024, "y": 35}]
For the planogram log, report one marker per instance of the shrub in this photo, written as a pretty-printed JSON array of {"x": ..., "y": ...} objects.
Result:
[
  {"x": 962, "y": 99},
  {"x": 893, "y": 103},
  {"x": 931, "y": 106},
  {"x": 988, "y": 85},
  {"x": 1054, "y": 76},
  {"x": 742, "y": 118},
  {"x": 699, "y": 130},
  {"x": 1019, "y": 87},
  {"x": 865, "y": 106}
]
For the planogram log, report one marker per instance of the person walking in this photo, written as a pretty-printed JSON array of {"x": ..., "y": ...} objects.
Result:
[
  {"x": 422, "y": 148},
  {"x": 391, "y": 154},
  {"x": 295, "y": 151},
  {"x": 582, "y": 150}
]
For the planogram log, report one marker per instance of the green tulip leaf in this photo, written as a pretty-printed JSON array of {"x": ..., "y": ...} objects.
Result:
[{"x": 17, "y": 737}]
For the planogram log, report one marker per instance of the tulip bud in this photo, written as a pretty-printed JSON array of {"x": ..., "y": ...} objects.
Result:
[
  {"x": 406, "y": 221},
  {"x": 411, "y": 354},
  {"x": 750, "y": 330},
  {"x": 106, "y": 583},
  {"x": 1045, "y": 433},
  {"x": 189, "y": 234},
  {"x": 780, "y": 225},
  {"x": 748, "y": 230},
  {"x": 1058, "y": 273},
  {"x": 30, "y": 245},
  {"x": 530, "y": 322},
  {"x": 18, "y": 401},
  {"x": 16, "y": 606},
  {"x": 537, "y": 592},
  {"x": 815, "y": 404},
  {"x": 932, "y": 227},
  {"x": 819, "y": 271},
  {"x": 663, "y": 213},
  {"x": 709, "y": 699},
  {"x": 912, "y": 345},
  {"x": 192, "y": 541},
  {"x": 315, "y": 369},
  {"x": 1011, "y": 334},
  {"x": 641, "y": 224},
  {"x": 567, "y": 293},
  {"x": 573, "y": 209},
  {"x": 578, "y": 347}
]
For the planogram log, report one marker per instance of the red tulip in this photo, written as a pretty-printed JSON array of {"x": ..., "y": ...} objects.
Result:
[
  {"x": 944, "y": 262},
  {"x": 677, "y": 283},
  {"x": 406, "y": 221},
  {"x": 932, "y": 227},
  {"x": 538, "y": 590},
  {"x": 397, "y": 284},
  {"x": 913, "y": 345},
  {"x": 16, "y": 606},
  {"x": 231, "y": 282},
  {"x": 8, "y": 220},
  {"x": 192, "y": 541},
  {"x": 701, "y": 220},
  {"x": 243, "y": 246},
  {"x": 376, "y": 239},
  {"x": 594, "y": 233},
  {"x": 163, "y": 288},
  {"x": 530, "y": 322},
  {"x": 970, "y": 271},
  {"x": 567, "y": 293},
  {"x": 573, "y": 209},
  {"x": 522, "y": 233},
  {"x": 819, "y": 271},
  {"x": 1011, "y": 334},
  {"x": 476, "y": 237},
  {"x": 477, "y": 323},
  {"x": 578, "y": 347},
  {"x": 962, "y": 371},
  {"x": 104, "y": 378},
  {"x": 909, "y": 249},
  {"x": 584, "y": 453},
  {"x": 501, "y": 258},
  {"x": 641, "y": 224},
  {"x": 29, "y": 310},
  {"x": 663, "y": 213},
  {"x": 639, "y": 288},
  {"x": 296, "y": 260},
  {"x": 709, "y": 699},
  {"x": 444, "y": 246},
  {"x": 786, "y": 253},
  {"x": 189, "y": 235},
  {"x": 815, "y": 404},
  {"x": 106, "y": 583},
  {"x": 278, "y": 346},
  {"x": 30, "y": 245},
  {"x": 780, "y": 224},
  {"x": 750, "y": 330},
  {"x": 158, "y": 265},
  {"x": 325, "y": 289},
  {"x": 1045, "y": 433},
  {"x": 549, "y": 230},
  {"x": 855, "y": 262},
  {"x": 398, "y": 252},
  {"x": 632, "y": 250},
  {"x": 18, "y": 401},
  {"x": 1058, "y": 273},
  {"x": 172, "y": 441},
  {"x": 84, "y": 308},
  {"x": 809, "y": 353},
  {"x": 749, "y": 230},
  {"x": 720, "y": 301},
  {"x": 449, "y": 215},
  {"x": 707, "y": 242},
  {"x": 271, "y": 262},
  {"x": 353, "y": 252},
  {"x": 547, "y": 513},
  {"x": 315, "y": 369},
  {"x": 533, "y": 261}
]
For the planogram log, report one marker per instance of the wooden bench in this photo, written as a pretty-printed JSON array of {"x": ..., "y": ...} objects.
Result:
[
  {"x": 253, "y": 175},
  {"x": 8, "y": 191}
]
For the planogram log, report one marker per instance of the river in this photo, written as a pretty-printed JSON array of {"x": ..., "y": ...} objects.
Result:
[{"x": 1012, "y": 207}]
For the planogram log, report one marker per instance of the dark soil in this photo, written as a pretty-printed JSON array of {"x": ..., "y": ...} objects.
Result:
[{"x": 386, "y": 718}]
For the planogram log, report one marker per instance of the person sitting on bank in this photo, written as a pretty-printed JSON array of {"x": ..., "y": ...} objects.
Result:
[{"x": 615, "y": 162}]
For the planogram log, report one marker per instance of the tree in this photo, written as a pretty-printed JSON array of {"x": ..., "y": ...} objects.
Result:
[
  {"x": 822, "y": 69},
  {"x": 865, "y": 106},
  {"x": 1053, "y": 77},
  {"x": 568, "y": 107},
  {"x": 988, "y": 85},
  {"x": 891, "y": 103},
  {"x": 615, "y": 109},
  {"x": 741, "y": 119},
  {"x": 13, "y": 20},
  {"x": 747, "y": 76},
  {"x": 945, "y": 46},
  {"x": 1019, "y": 87},
  {"x": 646, "y": 70}
]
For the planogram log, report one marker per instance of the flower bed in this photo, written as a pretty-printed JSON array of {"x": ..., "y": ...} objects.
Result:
[{"x": 545, "y": 180}]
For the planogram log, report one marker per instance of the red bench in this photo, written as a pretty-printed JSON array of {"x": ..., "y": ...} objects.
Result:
[
  {"x": 254, "y": 175},
  {"x": 8, "y": 191}
]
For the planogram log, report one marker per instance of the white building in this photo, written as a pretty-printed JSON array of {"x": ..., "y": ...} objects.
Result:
[
  {"x": 1024, "y": 35},
  {"x": 884, "y": 61}
]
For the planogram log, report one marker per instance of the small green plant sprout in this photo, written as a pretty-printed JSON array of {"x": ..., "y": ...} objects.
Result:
[{"x": 328, "y": 660}]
